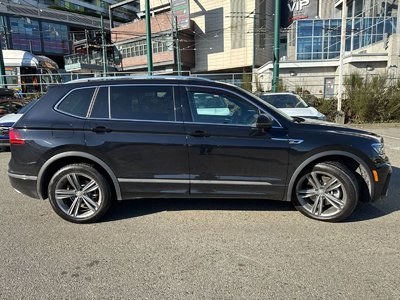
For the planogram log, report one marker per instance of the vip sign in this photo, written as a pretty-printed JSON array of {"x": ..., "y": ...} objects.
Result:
[
  {"x": 297, "y": 9},
  {"x": 298, "y": 5},
  {"x": 303, "y": 9}
]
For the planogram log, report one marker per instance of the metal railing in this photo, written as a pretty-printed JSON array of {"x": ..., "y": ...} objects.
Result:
[{"x": 33, "y": 85}]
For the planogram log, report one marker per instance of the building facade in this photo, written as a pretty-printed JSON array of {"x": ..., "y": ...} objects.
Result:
[
  {"x": 41, "y": 30},
  {"x": 220, "y": 36},
  {"x": 372, "y": 46},
  {"x": 90, "y": 7},
  {"x": 131, "y": 48}
]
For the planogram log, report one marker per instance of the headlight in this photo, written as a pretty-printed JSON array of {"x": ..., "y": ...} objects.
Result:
[{"x": 379, "y": 148}]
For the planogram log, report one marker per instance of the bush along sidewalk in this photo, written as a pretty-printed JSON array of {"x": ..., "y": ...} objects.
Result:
[{"x": 368, "y": 100}]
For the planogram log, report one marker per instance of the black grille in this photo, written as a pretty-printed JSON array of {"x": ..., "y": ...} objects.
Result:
[{"x": 4, "y": 130}]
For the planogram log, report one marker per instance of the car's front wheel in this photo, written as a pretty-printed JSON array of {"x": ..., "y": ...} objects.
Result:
[
  {"x": 328, "y": 191},
  {"x": 79, "y": 193}
]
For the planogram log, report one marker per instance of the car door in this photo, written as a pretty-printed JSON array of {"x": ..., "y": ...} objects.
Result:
[
  {"x": 138, "y": 131},
  {"x": 228, "y": 155}
]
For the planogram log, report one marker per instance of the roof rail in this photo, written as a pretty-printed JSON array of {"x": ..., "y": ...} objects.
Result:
[{"x": 165, "y": 77}]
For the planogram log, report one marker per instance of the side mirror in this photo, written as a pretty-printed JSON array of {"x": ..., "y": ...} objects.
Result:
[{"x": 264, "y": 122}]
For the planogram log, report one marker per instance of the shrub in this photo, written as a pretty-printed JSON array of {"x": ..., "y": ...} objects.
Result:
[{"x": 375, "y": 99}]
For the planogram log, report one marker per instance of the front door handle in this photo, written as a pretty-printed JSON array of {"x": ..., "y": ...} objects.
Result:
[
  {"x": 199, "y": 133},
  {"x": 101, "y": 129}
]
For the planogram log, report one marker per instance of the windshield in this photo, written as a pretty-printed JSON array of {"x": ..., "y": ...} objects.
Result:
[
  {"x": 284, "y": 100},
  {"x": 271, "y": 107}
]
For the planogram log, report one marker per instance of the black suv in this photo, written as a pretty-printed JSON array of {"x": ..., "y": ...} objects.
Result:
[{"x": 88, "y": 142}]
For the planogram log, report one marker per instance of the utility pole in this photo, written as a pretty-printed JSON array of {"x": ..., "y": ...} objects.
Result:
[
  {"x": 148, "y": 40},
  {"x": 2, "y": 69},
  {"x": 178, "y": 49},
  {"x": 3, "y": 80},
  {"x": 277, "y": 28},
  {"x": 340, "y": 114},
  {"x": 87, "y": 44},
  {"x": 103, "y": 46},
  {"x": 254, "y": 44}
]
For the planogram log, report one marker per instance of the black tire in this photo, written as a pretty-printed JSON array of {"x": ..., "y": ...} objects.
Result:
[
  {"x": 79, "y": 193},
  {"x": 327, "y": 192}
]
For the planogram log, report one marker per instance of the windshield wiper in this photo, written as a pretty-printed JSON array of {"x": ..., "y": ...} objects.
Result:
[{"x": 298, "y": 119}]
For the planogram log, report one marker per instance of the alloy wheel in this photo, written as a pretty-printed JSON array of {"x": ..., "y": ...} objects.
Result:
[
  {"x": 78, "y": 195},
  {"x": 321, "y": 194}
]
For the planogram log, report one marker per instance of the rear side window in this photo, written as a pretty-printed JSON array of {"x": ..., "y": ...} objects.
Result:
[
  {"x": 101, "y": 108},
  {"x": 77, "y": 102},
  {"x": 153, "y": 103}
]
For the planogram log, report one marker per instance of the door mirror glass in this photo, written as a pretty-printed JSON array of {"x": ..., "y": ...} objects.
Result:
[{"x": 264, "y": 122}]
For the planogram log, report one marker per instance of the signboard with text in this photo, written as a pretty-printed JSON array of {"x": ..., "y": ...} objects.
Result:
[
  {"x": 180, "y": 10},
  {"x": 293, "y": 10}
]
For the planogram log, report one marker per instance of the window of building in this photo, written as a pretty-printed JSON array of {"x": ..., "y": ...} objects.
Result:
[
  {"x": 139, "y": 48},
  {"x": 320, "y": 39},
  {"x": 55, "y": 38},
  {"x": 25, "y": 34}
]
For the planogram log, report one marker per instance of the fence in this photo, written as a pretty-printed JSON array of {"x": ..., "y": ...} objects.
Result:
[{"x": 317, "y": 86}]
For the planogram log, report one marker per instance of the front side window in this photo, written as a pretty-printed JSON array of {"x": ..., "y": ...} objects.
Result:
[
  {"x": 77, "y": 102},
  {"x": 218, "y": 108},
  {"x": 153, "y": 103}
]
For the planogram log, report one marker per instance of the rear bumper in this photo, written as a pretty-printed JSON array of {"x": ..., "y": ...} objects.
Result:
[
  {"x": 382, "y": 186},
  {"x": 24, "y": 184}
]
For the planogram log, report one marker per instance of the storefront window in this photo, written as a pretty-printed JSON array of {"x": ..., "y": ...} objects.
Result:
[
  {"x": 25, "y": 34},
  {"x": 318, "y": 39},
  {"x": 55, "y": 38}
]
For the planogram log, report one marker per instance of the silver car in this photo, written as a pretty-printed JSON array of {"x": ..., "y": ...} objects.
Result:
[{"x": 292, "y": 105}]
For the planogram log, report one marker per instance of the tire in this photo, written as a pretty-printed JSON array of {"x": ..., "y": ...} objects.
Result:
[
  {"x": 79, "y": 193},
  {"x": 327, "y": 192}
]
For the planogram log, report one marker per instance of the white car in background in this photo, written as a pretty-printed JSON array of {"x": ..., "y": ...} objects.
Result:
[
  {"x": 7, "y": 121},
  {"x": 292, "y": 105}
]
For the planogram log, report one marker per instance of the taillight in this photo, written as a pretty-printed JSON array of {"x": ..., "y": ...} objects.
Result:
[{"x": 15, "y": 137}]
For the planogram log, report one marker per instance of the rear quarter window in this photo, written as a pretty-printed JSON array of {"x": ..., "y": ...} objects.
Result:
[{"x": 77, "y": 102}]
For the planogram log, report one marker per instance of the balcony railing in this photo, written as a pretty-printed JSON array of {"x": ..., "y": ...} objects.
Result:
[{"x": 93, "y": 59}]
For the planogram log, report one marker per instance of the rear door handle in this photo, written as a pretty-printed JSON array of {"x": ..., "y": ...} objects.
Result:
[
  {"x": 199, "y": 133},
  {"x": 101, "y": 129}
]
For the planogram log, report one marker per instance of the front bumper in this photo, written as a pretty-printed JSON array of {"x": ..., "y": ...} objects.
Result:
[{"x": 381, "y": 187}]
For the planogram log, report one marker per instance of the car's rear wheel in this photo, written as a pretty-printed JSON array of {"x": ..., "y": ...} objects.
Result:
[
  {"x": 79, "y": 193},
  {"x": 328, "y": 191}
]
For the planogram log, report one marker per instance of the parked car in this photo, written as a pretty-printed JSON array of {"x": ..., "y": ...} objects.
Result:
[
  {"x": 9, "y": 101},
  {"x": 169, "y": 137},
  {"x": 7, "y": 121},
  {"x": 293, "y": 105}
]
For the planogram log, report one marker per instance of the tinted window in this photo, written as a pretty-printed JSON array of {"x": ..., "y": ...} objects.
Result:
[
  {"x": 100, "y": 108},
  {"x": 154, "y": 103},
  {"x": 209, "y": 107},
  {"x": 77, "y": 102}
]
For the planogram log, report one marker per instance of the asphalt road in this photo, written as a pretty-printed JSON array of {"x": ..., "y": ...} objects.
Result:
[{"x": 201, "y": 249}]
